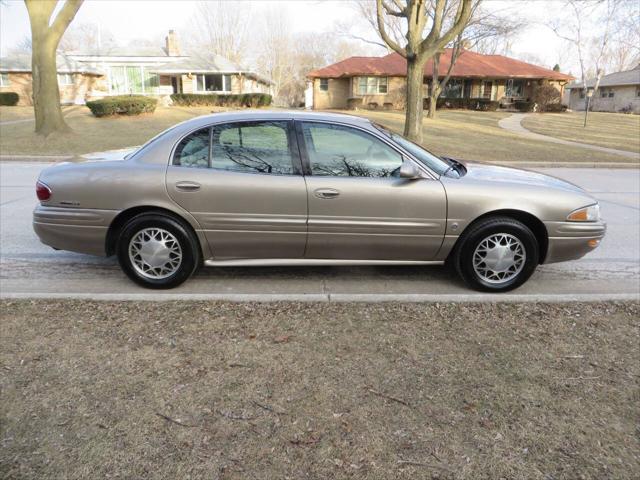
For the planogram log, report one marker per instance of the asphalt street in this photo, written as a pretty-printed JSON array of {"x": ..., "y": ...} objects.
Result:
[{"x": 29, "y": 268}]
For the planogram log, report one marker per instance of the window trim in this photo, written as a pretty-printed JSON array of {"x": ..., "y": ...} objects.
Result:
[
  {"x": 326, "y": 80},
  {"x": 306, "y": 163},
  {"x": 224, "y": 83},
  {"x": 8, "y": 82},
  {"x": 127, "y": 89},
  {"x": 294, "y": 149},
  {"x": 377, "y": 77},
  {"x": 69, "y": 75}
]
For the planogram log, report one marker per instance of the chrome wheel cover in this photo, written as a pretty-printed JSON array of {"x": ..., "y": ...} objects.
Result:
[
  {"x": 499, "y": 258},
  {"x": 155, "y": 253}
]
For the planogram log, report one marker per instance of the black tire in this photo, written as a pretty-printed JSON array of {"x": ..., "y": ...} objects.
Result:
[
  {"x": 189, "y": 249},
  {"x": 462, "y": 256}
]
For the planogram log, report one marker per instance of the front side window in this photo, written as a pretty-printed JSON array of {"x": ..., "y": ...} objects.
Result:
[
  {"x": 193, "y": 151},
  {"x": 252, "y": 147},
  {"x": 4, "y": 79},
  {"x": 213, "y": 83},
  {"x": 372, "y": 85},
  {"x": 324, "y": 84},
  {"x": 132, "y": 79},
  {"x": 339, "y": 151}
]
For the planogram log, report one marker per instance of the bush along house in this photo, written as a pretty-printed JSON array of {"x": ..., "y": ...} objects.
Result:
[
  {"x": 477, "y": 81},
  {"x": 155, "y": 71}
]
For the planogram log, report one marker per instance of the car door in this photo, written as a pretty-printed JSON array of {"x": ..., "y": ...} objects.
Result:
[
  {"x": 359, "y": 207},
  {"x": 242, "y": 182}
]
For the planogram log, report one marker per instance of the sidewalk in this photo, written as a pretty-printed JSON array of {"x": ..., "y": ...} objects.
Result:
[{"x": 513, "y": 124}]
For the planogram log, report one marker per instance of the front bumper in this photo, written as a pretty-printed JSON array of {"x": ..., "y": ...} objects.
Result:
[
  {"x": 572, "y": 240},
  {"x": 73, "y": 229}
]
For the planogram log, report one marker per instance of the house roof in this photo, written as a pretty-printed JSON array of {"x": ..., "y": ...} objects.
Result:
[
  {"x": 22, "y": 63},
  {"x": 209, "y": 64},
  {"x": 628, "y": 77},
  {"x": 469, "y": 64}
]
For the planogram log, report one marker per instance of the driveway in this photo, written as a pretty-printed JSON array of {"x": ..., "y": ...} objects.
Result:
[{"x": 29, "y": 268}]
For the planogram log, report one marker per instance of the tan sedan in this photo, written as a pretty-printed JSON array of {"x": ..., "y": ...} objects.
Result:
[{"x": 294, "y": 188}]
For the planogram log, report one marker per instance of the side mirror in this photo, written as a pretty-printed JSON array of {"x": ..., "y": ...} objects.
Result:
[{"x": 409, "y": 171}]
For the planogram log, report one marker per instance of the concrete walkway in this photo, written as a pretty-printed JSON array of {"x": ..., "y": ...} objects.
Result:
[{"x": 513, "y": 124}]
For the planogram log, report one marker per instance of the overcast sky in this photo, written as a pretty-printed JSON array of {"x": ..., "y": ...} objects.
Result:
[{"x": 133, "y": 19}]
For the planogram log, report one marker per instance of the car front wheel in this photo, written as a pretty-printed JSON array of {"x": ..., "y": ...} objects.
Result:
[
  {"x": 156, "y": 251},
  {"x": 496, "y": 255}
]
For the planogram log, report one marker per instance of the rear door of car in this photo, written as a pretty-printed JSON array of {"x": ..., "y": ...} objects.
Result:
[
  {"x": 359, "y": 207},
  {"x": 243, "y": 183}
]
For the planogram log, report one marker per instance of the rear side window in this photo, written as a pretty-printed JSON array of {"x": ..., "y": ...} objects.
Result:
[
  {"x": 252, "y": 147},
  {"x": 193, "y": 151}
]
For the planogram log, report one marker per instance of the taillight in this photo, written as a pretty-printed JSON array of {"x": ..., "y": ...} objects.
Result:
[{"x": 43, "y": 192}]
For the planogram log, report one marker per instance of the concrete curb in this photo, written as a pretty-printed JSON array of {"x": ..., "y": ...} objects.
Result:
[
  {"x": 331, "y": 297},
  {"x": 35, "y": 158}
]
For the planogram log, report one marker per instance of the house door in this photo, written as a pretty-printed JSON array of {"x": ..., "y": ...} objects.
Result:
[
  {"x": 487, "y": 88},
  {"x": 176, "y": 85},
  {"x": 467, "y": 89}
]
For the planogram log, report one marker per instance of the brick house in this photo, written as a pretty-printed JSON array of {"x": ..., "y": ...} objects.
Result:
[
  {"x": 617, "y": 92},
  {"x": 376, "y": 82},
  {"x": 156, "y": 71}
]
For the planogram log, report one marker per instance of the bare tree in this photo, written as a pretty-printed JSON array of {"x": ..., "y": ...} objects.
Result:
[
  {"x": 573, "y": 29},
  {"x": 92, "y": 37},
  {"x": 426, "y": 34},
  {"x": 221, "y": 28},
  {"x": 482, "y": 27},
  {"x": 46, "y": 31}
]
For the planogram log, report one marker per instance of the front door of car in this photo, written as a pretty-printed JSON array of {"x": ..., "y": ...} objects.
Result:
[
  {"x": 359, "y": 207},
  {"x": 242, "y": 182}
]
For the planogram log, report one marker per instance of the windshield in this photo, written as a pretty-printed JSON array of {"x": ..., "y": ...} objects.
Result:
[{"x": 435, "y": 163}]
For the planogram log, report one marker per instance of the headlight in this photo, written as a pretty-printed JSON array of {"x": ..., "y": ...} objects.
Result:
[{"x": 585, "y": 214}]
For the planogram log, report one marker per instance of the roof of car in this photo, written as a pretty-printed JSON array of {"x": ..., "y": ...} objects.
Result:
[{"x": 248, "y": 115}]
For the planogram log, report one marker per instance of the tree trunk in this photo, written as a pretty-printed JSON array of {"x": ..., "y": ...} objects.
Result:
[
  {"x": 46, "y": 96},
  {"x": 433, "y": 102},
  {"x": 415, "y": 107}
]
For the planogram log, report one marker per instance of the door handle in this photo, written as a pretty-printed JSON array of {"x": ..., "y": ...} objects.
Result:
[
  {"x": 188, "y": 186},
  {"x": 326, "y": 193}
]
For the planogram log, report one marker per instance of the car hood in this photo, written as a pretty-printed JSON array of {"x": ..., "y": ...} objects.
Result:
[{"x": 494, "y": 173}]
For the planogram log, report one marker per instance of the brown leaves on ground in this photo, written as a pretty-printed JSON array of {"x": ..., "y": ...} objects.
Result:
[{"x": 288, "y": 390}]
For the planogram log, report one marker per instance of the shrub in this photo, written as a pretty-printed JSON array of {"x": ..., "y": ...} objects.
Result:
[
  {"x": 9, "y": 99},
  {"x": 486, "y": 105},
  {"x": 523, "y": 106},
  {"x": 122, "y": 105},
  {"x": 251, "y": 100},
  {"x": 354, "y": 103},
  {"x": 544, "y": 96},
  {"x": 556, "y": 107}
]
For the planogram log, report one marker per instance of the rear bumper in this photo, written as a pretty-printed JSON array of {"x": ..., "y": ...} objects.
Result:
[
  {"x": 572, "y": 240},
  {"x": 74, "y": 229}
]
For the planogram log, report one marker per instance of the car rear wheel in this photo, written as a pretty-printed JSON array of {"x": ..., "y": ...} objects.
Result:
[
  {"x": 157, "y": 251},
  {"x": 496, "y": 255}
]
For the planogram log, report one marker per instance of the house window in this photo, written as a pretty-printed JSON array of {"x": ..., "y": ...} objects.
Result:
[
  {"x": 132, "y": 79},
  {"x": 324, "y": 84},
  {"x": 372, "y": 85},
  {"x": 4, "y": 80},
  {"x": 514, "y": 88},
  {"x": 487, "y": 88},
  {"x": 453, "y": 89},
  {"x": 65, "y": 79},
  {"x": 213, "y": 83}
]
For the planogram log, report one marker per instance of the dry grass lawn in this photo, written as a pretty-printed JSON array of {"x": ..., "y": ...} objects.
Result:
[
  {"x": 91, "y": 134},
  {"x": 263, "y": 391},
  {"x": 471, "y": 135},
  {"x": 463, "y": 134},
  {"x": 613, "y": 130}
]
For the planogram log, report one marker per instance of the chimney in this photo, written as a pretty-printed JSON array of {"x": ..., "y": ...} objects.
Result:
[{"x": 172, "y": 47}]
